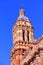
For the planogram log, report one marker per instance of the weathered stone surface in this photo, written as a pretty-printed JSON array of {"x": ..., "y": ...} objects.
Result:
[{"x": 26, "y": 50}]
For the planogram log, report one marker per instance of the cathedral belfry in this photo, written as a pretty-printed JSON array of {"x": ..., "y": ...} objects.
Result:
[{"x": 24, "y": 44}]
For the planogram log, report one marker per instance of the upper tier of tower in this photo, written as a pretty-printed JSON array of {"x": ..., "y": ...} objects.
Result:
[{"x": 22, "y": 30}]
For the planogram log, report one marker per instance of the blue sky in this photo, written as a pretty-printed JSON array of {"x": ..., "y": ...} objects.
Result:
[{"x": 9, "y": 11}]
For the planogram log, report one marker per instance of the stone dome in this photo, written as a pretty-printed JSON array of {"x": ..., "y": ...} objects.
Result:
[{"x": 23, "y": 17}]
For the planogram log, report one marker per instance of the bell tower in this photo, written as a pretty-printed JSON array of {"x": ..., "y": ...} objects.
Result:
[{"x": 22, "y": 36}]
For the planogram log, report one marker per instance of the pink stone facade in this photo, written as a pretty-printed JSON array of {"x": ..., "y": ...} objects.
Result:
[{"x": 26, "y": 50}]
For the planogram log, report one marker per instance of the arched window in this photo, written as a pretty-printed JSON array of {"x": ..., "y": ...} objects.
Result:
[
  {"x": 28, "y": 35},
  {"x": 23, "y": 35}
]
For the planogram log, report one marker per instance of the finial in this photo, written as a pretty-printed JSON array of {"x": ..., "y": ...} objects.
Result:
[{"x": 21, "y": 12}]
